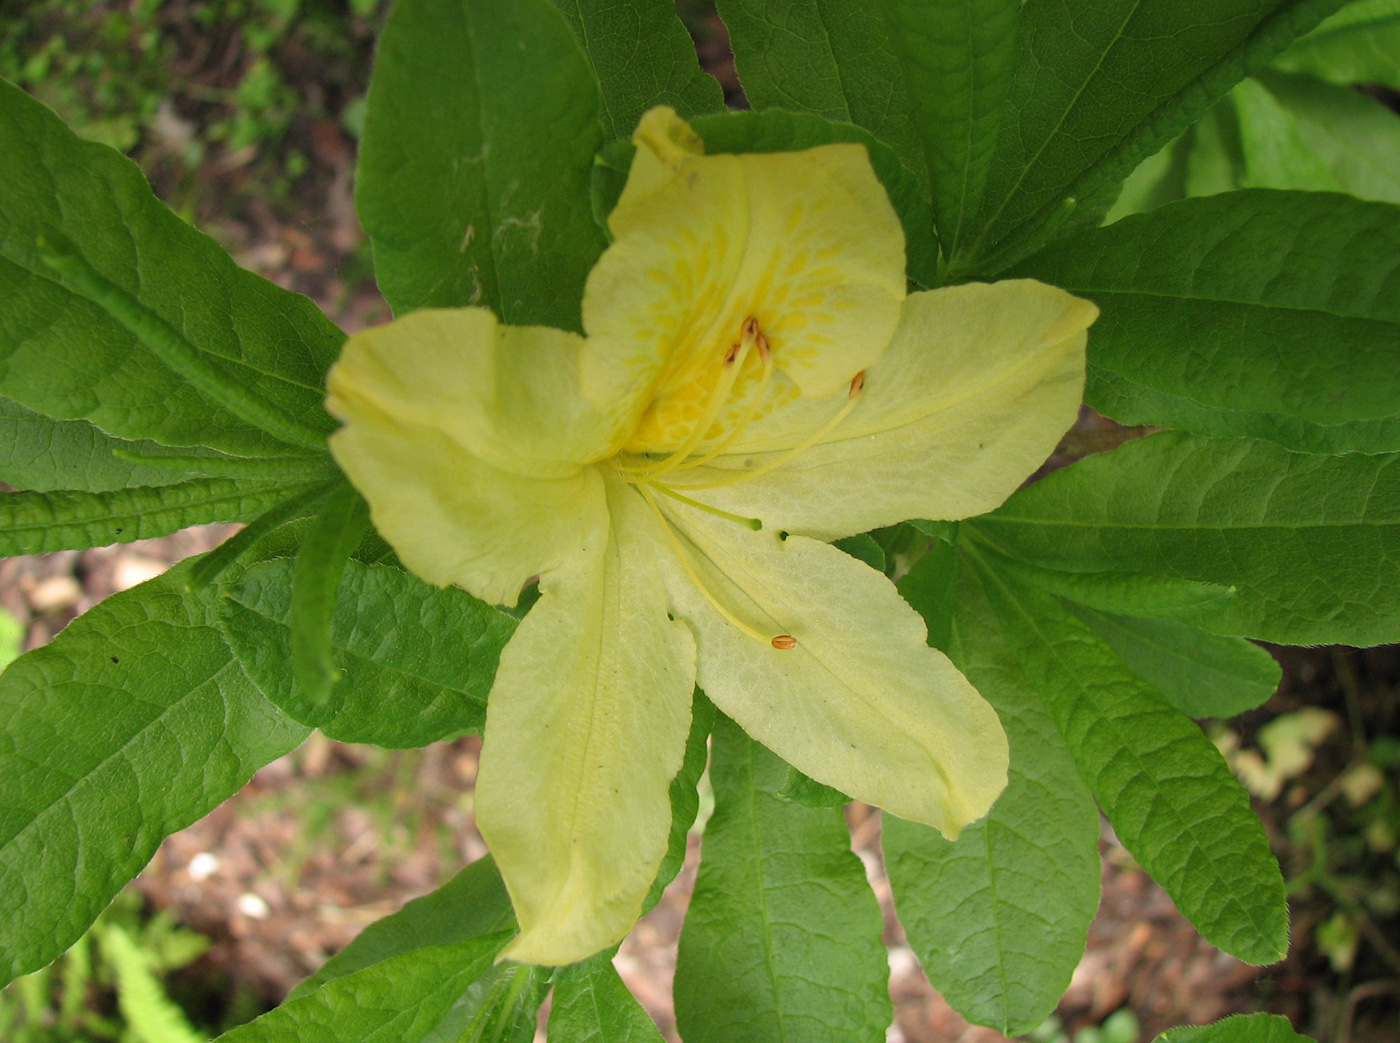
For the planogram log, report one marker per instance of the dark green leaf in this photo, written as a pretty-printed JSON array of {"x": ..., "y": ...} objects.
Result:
[
  {"x": 334, "y": 534},
  {"x": 685, "y": 795},
  {"x": 134, "y": 722},
  {"x": 401, "y": 1000},
  {"x": 1202, "y": 675},
  {"x": 1312, "y": 543},
  {"x": 642, "y": 56},
  {"x": 417, "y": 662},
  {"x": 593, "y": 1005},
  {"x": 998, "y": 919},
  {"x": 800, "y": 789},
  {"x": 473, "y": 176},
  {"x": 1358, "y": 44},
  {"x": 782, "y": 939},
  {"x": 957, "y": 57},
  {"x": 930, "y": 586},
  {"x": 1356, "y": 136},
  {"x": 64, "y": 357},
  {"x": 35, "y": 523},
  {"x": 256, "y": 533},
  {"x": 863, "y": 548},
  {"x": 1240, "y": 1028},
  {"x": 831, "y": 58},
  {"x": 1167, "y": 791},
  {"x": 1099, "y": 88},
  {"x": 1289, "y": 302}
]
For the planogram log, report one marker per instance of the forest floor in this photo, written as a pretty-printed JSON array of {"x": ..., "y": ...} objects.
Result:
[{"x": 331, "y": 837}]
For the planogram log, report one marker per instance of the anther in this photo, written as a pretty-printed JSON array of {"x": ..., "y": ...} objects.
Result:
[
  {"x": 857, "y": 384},
  {"x": 783, "y": 642},
  {"x": 751, "y": 327},
  {"x": 732, "y": 354}
]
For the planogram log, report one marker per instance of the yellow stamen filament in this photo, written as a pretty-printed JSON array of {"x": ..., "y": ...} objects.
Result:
[
  {"x": 661, "y": 487},
  {"x": 766, "y": 355},
  {"x": 857, "y": 386},
  {"x": 781, "y": 641}
]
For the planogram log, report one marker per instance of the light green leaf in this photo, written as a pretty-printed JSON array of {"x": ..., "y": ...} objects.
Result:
[
  {"x": 1358, "y": 44},
  {"x": 369, "y": 1006},
  {"x": 474, "y": 168},
  {"x": 1167, "y": 791},
  {"x": 1311, "y": 542},
  {"x": 1356, "y": 136},
  {"x": 782, "y": 939},
  {"x": 593, "y": 1005},
  {"x": 151, "y": 1015},
  {"x": 788, "y": 131},
  {"x": 1202, "y": 675},
  {"x": 1289, "y": 302},
  {"x": 1215, "y": 162},
  {"x": 1100, "y": 87},
  {"x": 64, "y": 357},
  {"x": 1159, "y": 179},
  {"x": 1240, "y": 1028},
  {"x": 417, "y": 662},
  {"x": 998, "y": 919},
  {"x": 333, "y": 536},
  {"x": 131, "y": 724},
  {"x": 801, "y": 789},
  {"x": 830, "y": 58},
  {"x": 957, "y": 57},
  {"x": 1275, "y": 154},
  {"x": 471, "y": 905},
  {"x": 642, "y": 56},
  {"x": 35, "y": 523}
]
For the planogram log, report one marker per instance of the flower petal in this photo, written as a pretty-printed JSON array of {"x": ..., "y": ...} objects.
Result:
[
  {"x": 585, "y": 728},
  {"x": 508, "y": 394},
  {"x": 862, "y": 702},
  {"x": 453, "y": 518},
  {"x": 970, "y": 398},
  {"x": 702, "y": 243}
]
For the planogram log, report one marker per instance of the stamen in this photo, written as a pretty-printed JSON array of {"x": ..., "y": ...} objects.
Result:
[
  {"x": 779, "y": 642},
  {"x": 766, "y": 355},
  {"x": 853, "y": 396},
  {"x": 753, "y": 523},
  {"x": 733, "y": 365}
]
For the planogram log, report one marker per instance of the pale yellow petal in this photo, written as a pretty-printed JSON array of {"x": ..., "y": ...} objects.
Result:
[
  {"x": 585, "y": 727},
  {"x": 510, "y": 395},
  {"x": 806, "y": 243},
  {"x": 454, "y": 519},
  {"x": 861, "y": 703},
  {"x": 977, "y": 387}
]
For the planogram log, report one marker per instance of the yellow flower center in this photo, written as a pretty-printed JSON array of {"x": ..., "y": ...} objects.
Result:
[{"x": 650, "y": 472}]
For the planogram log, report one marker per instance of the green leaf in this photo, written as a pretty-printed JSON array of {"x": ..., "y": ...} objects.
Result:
[
  {"x": 1167, "y": 791},
  {"x": 64, "y": 357},
  {"x": 998, "y": 919},
  {"x": 930, "y": 586},
  {"x": 685, "y": 795},
  {"x": 1311, "y": 542},
  {"x": 782, "y": 938},
  {"x": 593, "y": 1005},
  {"x": 863, "y": 547},
  {"x": 830, "y": 58},
  {"x": 642, "y": 56},
  {"x": 1275, "y": 154},
  {"x": 789, "y": 131},
  {"x": 1215, "y": 161},
  {"x": 334, "y": 534},
  {"x": 1202, "y": 675},
  {"x": 417, "y": 662},
  {"x": 401, "y": 1000},
  {"x": 43, "y": 455},
  {"x": 1159, "y": 179},
  {"x": 801, "y": 789},
  {"x": 1289, "y": 302},
  {"x": 1098, "y": 88},
  {"x": 1239, "y": 1028},
  {"x": 1358, "y": 44},
  {"x": 473, "y": 904},
  {"x": 957, "y": 57},
  {"x": 1356, "y": 136},
  {"x": 35, "y": 523},
  {"x": 474, "y": 168},
  {"x": 134, "y": 722}
]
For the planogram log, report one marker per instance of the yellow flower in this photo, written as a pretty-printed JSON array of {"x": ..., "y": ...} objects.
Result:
[{"x": 754, "y": 382}]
